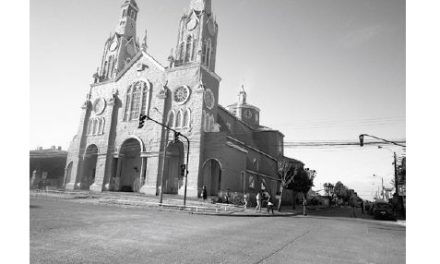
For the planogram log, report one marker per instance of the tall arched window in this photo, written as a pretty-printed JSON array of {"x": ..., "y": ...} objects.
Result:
[
  {"x": 95, "y": 123},
  {"x": 193, "y": 55},
  {"x": 137, "y": 100},
  {"x": 203, "y": 53},
  {"x": 145, "y": 98},
  {"x": 179, "y": 119},
  {"x": 104, "y": 71},
  {"x": 186, "y": 118},
  {"x": 127, "y": 105},
  {"x": 99, "y": 126},
  {"x": 182, "y": 51},
  {"x": 102, "y": 126},
  {"x": 208, "y": 53},
  {"x": 111, "y": 66},
  {"x": 188, "y": 49},
  {"x": 171, "y": 119}
]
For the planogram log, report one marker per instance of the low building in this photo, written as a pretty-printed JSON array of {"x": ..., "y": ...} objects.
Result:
[{"x": 47, "y": 165}]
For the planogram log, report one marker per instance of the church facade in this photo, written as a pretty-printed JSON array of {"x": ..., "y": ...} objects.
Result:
[{"x": 229, "y": 149}]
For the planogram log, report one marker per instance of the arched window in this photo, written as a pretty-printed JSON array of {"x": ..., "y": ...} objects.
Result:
[
  {"x": 171, "y": 119},
  {"x": 187, "y": 118},
  {"x": 182, "y": 54},
  {"x": 204, "y": 53},
  {"x": 208, "y": 53},
  {"x": 98, "y": 126},
  {"x": 179, "y": 119},
  {"x": 188, "y": 49},
  {"x": 145, "y": 98},
  {"x": 127, "y": 104},
  {"x": 95, "y": 123},
  {"x": 193, "y": 55},
  {"x": 124, "y": 12},
  {"x": 137, "y": 100},
  {"x": 101, "y": 126},
  {"x": 104, "y": 71},
  {"x": 111, "y": 66}
]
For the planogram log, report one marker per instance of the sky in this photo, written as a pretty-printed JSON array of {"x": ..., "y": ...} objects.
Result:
[{"x": 319, "y": 70}]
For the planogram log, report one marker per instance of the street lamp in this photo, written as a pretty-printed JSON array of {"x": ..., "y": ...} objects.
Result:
[{"x": 361, "y": 142}]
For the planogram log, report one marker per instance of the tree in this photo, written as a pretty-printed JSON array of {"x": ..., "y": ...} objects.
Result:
[
  {"x": 329, "y": 190},
  {"x": 340, "y": 191},
  {"x": 303, "y": 181},
  {"x": 286, "y": 172}
]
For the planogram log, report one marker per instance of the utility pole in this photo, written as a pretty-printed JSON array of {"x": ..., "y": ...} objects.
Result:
[
  {"x": 361, "y": 141},
  {"x": 163, "y": 165}
]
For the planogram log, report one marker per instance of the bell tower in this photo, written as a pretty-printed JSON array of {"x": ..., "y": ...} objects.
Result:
[
  {"x": 127, "y": 21},
  {"x": 121, "y": 46},
  {"x": 197, "y": 38}
]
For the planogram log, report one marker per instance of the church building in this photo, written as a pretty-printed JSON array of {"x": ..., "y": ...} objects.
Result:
[{"x": 228, "y": 149}]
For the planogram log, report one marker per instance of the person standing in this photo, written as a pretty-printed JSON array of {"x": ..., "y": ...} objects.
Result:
[
  {"x": 258, "y": 197},
  {"x": 246, "y": 200},
  {"x": 269, "y": 205},
  {"x": 353, "y": 201},
  {"x": 204, "y": 193},
  {"x": 227, "y": 196}
]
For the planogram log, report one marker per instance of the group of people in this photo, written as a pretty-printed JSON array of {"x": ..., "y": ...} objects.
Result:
[{"x": 263, "y": 196}]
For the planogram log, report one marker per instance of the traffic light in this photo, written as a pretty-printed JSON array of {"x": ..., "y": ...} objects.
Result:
[
  {"x": 361, "y": 140},
  {"x": 182, "y": 170},
  {"x": 142, "y": 120}
]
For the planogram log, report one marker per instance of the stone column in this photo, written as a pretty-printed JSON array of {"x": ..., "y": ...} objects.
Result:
[
  {"x": 77, "y": 150},
  {"x": 153, "y": 154},
  {"x": 98, "y": 184}
]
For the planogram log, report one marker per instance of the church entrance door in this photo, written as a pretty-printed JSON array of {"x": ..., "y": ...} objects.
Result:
[
  {"x": 130, "y": 166},
  {"x": 212, "y": 175},
  {"x": 89, "y": 167},
  {"x": 172, "y": 178}
]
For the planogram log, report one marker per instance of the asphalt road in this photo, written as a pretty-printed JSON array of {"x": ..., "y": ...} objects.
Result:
[{"x": 68, "y": 232}]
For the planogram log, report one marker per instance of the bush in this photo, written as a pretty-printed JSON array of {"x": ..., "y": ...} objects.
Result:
[{"x": 235, "y": 198}]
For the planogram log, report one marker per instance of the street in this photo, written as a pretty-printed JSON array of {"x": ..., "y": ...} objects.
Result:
[{"x": 68, "y": 232}]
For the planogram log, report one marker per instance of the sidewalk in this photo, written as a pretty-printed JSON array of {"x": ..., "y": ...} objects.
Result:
[{"x": 170, "y": 202}]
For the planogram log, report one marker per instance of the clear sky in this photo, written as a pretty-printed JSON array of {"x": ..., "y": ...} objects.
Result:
[{"x": 317, "y": 69}]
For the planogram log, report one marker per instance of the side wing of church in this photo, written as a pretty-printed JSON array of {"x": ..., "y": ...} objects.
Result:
[{"x": 229, "y": 149}]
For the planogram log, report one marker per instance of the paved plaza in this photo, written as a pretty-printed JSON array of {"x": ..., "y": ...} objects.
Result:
[{"x": 63, "y": 231}]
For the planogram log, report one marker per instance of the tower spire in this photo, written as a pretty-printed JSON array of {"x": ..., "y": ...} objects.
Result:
[
  {"x": 242, "y": 96},
  {"x": 197, "y": 38}
]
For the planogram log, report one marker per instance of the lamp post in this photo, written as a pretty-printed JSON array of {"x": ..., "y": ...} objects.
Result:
[
  {"x": 176, "y": 137},
  {"x": 361, "y": 141}
]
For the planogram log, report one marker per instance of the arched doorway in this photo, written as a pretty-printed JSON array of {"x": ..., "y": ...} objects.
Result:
[
  {"x": 68, "y": 174},
  {"x": 174, "y": 159},
  {"x": 89, "y": 167},
  {"x": 212, "y": 176},
  {"x": 130, "y": 166}
]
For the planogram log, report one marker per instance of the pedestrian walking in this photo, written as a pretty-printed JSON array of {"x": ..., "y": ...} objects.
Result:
[
  {"x": 258, "y": 197},
  {"x": 204, "y": 193}
]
